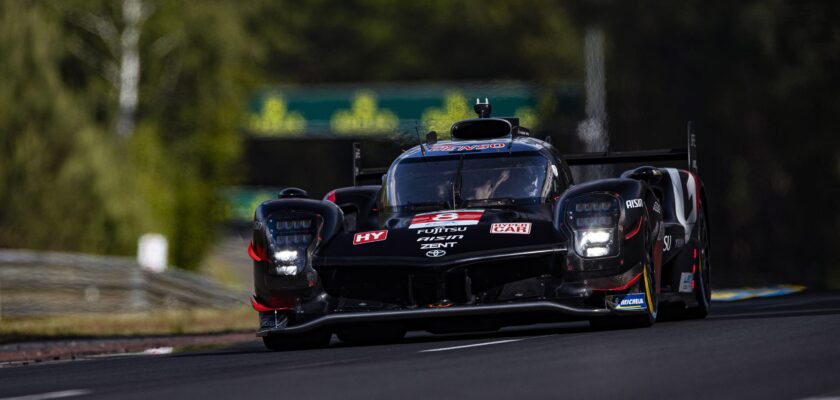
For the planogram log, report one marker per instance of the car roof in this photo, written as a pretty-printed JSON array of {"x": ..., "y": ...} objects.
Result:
[{"x": 519, "y": 144}]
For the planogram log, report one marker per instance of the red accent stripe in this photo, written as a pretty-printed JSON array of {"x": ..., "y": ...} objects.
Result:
[
  {"x": 622, "y": 287},
  {"x": 634, "y": 231},
  {"x": 261, "y": 308},
  {"x": 330, "y": 197},
  {"x": 256, "y": 254}
]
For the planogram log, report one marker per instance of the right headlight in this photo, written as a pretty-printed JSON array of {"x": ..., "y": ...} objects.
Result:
[{"x": 594, "y": 221}]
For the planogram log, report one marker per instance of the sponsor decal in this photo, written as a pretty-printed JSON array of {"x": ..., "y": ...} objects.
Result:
[
  {"x": 634, "y": 203},
  {"x": 680, "y": 242},
  {"x": 437, "y": 231},
  {"x": 447, "y": 245},
  {"x": 632, "y": 301},
  {"x": 439, "y": 238},
  {"x": 370, "y": 237},
  {"x": 666, "y": 243},
  {"x": 685, "y": 282},
  {"x": 467, "y": 147},
  {"x": 657, "y": 208},
  {"x": 515, "y": 228},
  {"x": 446, "y": 218},
  {"x": 435, "y": 253}
]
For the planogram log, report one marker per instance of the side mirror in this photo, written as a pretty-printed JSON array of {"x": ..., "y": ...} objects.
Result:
[
  {"x": 431, "y": 138},
  {"x": 548, "y": 140}
]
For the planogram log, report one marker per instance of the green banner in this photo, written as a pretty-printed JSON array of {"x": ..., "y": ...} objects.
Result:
[
  {"x": 242, "y": 201},
  {"x": 393, "y": 110}
]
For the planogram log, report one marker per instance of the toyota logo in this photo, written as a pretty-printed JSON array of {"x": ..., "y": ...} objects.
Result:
[{"x": 435, "y": 253}]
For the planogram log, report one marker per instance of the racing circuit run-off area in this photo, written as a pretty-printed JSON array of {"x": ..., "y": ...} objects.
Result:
[{"x": 768, "y": 348}]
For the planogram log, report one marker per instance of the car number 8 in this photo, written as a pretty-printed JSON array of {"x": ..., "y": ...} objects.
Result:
[{"x": 445, "y": 217}]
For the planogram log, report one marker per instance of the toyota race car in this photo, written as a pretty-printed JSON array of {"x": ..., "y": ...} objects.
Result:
[{"x": 485, "y": 230}]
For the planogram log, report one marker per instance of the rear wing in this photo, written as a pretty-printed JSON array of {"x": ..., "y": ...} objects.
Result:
[
  {"x": 359, "y": 173},
  {"x": 688, "y": 154}
]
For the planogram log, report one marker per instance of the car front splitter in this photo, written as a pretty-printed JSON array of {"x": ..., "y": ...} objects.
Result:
[{"x": 341, "y": 318}]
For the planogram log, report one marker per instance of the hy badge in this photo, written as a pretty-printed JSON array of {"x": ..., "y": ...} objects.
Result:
[{"x": 370, "y": 237}]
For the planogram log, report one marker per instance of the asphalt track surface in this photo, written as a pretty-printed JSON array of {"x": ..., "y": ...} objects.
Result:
[{"x": 775, "y": 348}]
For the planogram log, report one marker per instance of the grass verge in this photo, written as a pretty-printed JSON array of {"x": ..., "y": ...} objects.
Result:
[{"x": 163, "y": 322}]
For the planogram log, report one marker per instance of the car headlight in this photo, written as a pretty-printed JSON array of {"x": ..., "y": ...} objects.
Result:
[
  {"x": 594, "y": 219},
  {"x": 290, "y": 239}
]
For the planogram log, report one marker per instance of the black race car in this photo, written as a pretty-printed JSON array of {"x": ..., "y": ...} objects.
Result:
[{"x": 485, "y": 230}]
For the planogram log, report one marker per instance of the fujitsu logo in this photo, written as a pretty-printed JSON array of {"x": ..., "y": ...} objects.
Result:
[
  {"x": 370, "y": 237},
  {"x": 435, "y": 231}
]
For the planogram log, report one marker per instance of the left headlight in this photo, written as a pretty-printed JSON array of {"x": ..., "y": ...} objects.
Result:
[
  {"x": 594, "y": 220},
  {"x": 290, "y": 239}
]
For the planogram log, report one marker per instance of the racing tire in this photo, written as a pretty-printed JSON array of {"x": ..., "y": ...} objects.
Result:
[
  {"x": 702, "y": 277},
  {"x": 310, "y": 340},
  {"x": 635, "y": 321}
]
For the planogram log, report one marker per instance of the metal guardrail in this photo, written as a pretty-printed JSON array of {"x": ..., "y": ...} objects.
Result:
[{"x": 45, "y": 283}]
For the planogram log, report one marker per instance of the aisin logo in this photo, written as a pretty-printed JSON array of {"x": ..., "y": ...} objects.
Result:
[{"x": 435, "y": 253}]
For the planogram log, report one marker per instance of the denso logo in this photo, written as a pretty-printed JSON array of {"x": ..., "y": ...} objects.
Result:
[
  {"x": 469, "y": 147},
  {"x": 634, "y": 203},
  {"x": 370, "y": 237},
  {"x": 518, "y": 228}
]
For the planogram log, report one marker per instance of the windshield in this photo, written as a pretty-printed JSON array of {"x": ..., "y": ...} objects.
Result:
[{"x": 467, "y": 181}]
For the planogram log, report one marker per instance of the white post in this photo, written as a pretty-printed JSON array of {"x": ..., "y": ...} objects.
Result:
[
  {"x": 152, "y": 252},
  {"x": 593, "y": 130},
  {"x": 134, "y": 14}
]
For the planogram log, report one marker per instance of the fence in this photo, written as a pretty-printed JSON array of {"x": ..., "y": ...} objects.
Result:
[{"x": 44, "y": 283}]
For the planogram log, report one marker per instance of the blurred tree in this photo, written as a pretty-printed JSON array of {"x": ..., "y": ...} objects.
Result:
[
  {"x": 389, "y": 40},
  {"x": 62, "y": 185},
  {"x": 65, "y": 183}
]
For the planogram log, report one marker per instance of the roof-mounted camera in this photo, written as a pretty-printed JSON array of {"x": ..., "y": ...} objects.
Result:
[{"x": 483, "y": 109}]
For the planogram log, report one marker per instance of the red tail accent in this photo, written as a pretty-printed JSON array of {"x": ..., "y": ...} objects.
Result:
[
  {"x": 330, "y": 197},
  {"x": 261, "y": 308},
  {"x": 257, "y": 254},
  {"x": 634, "y": 231}
]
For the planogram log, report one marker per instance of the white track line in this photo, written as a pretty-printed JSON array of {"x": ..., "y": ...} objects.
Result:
[
  {"x": 470, "y": 345},
  {"x": 51, "y": 395}
]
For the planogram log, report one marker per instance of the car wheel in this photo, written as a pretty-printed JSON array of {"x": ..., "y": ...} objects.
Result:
[
  {"x": 651, "y": 298},
  {"x": 703, "y": 273}
]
